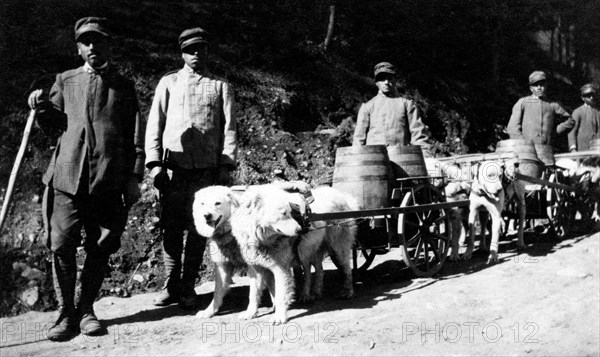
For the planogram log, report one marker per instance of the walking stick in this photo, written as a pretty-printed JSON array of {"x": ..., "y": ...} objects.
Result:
[{"x": 13, "y": 174}]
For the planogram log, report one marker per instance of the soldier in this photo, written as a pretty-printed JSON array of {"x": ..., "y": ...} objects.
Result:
[
  {"x": 535, "y": 118},
  {"x": 587, "y": 120},
  {"x": 93, "y": 175},
  {"x": 390, "y": 119},
  {"x": 192, "y": 116}
]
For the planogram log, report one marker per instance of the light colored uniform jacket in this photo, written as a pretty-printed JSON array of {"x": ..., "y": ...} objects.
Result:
[
  {"x": 586, "y": 128},
  {"x": 192, "y": 115},
  {"x": 536, "y": 119},
  {"x": 391, "y": 121}
]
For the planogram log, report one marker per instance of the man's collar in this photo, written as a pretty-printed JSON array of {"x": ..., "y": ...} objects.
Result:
[
  {"x": 544, "y": 97},
  {"x": 201, "y": 72},
  {"x": 391, "y": 95},
  {"x": 91, "y": 70}
]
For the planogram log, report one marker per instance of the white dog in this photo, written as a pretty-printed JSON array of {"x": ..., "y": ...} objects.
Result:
[
  {"x": 212, "y": 212},
  {"x": 457, "y": 191},
  {"x": 266, "y": 233},
  {"x": 487, "y": 193},
  {"x": 332, "y": 237},
  {"x": 456, "y": 183}
]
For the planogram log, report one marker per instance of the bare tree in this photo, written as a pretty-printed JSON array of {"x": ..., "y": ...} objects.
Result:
[{"x": 330, "y": 26}]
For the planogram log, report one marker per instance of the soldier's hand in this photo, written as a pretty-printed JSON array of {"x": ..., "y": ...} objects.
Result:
[
  {"x": 35, "y": 98},
  {"x": 160, "y": 178},
  {"x": 132, "y": 192}
]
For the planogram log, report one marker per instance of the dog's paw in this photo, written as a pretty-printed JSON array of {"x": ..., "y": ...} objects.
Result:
[
  {"x": 468, "y": 255},
  {"x": 206, "y": 314},
  {"x": 493, "y": 258},
  {"x": 454, "y": 257},
  {"x": 278, "y": 319},
  {"x": 521, "y": 246},
  {"x": 247, "y": 315},
  {"x": 595, "y": 217}
]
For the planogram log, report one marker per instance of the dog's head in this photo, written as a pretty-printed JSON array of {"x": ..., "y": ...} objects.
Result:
[
  {"x": 270, "y": 210},
  {"x": 488, "y": 180},
  {"x": 458, "y": 190},
  {"x": 212, "y": 210},
  {"x": 569, "y": 166},
  {"x": 591, "y": 166}
]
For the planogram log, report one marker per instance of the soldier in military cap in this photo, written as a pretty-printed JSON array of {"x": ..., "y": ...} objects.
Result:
[
  {"x": 93, "y": 176},
  {"x": 192, "y": 116},
  {"x": 388, "y": 118},
  {"x": 536, "y": 117},
  {"x": 587, "y": 120}
]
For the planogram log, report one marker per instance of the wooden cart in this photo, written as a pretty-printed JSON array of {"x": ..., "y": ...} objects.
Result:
[{"x": 417, "y": 222}]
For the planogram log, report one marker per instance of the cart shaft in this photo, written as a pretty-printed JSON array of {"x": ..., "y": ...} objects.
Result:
[{"x": 385, "y": 211}]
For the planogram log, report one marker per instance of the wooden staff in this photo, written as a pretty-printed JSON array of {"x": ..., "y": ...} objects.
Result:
[{"x": 15, "y": 170}]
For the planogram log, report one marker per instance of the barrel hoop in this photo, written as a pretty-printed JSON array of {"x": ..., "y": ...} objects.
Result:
[
  {"x": 363, "y": 152},
  {"x": 403, "y": 163},
  {"x": 365, "y": 178},
  {"x": 361, "y": 163}
]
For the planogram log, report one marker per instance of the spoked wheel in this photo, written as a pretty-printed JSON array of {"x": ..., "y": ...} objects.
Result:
[
  {"x": 369, "y": 256},
  {"x": 560, "y": 209},
  {"x": 425, "y": 236},
  {"x": 370, "y": 243}
]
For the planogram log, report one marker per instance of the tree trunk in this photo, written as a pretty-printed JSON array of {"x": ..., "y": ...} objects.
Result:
[{"x": 329, "y": 35}]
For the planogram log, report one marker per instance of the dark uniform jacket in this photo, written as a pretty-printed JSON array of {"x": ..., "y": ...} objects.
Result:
[
  {"x": 535, "y": 119},
  {"x": 586, "y": 128},
  {"x": 391, "y": 121},
  {"x": 102, "y": 145}
]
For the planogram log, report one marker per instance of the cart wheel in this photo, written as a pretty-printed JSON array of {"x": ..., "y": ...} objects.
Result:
[
  {"x": 370, "y": 242},
  {"x": 369, "y": 255},
  {"x": 425, "y": 236},
  {"x": 559, "y": 208}
]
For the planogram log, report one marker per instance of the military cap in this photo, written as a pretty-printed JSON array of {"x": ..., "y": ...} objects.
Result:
[
  {"x": 192, "y": 36},
  {"x": 90, "y": 24},
  {"x": 384, "y": 67},
  {"x": 536, "y": 76},
  {"x": 587, "y": 88}
]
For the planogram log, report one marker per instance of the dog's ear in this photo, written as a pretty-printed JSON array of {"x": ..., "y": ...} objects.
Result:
[
  {"x": 466, "y": 186},
  {"x": 253, "y": 202},
  {"x": 234, "y": 201}
]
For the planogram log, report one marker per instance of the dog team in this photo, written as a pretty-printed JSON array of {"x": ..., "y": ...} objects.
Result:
[{"x": 102, "y": 151}]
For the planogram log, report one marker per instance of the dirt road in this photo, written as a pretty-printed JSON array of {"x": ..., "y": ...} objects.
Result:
[{"x": 543, "y": 301}]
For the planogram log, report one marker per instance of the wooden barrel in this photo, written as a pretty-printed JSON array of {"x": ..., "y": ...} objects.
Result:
[
  {"x": 523, "y": 148},
  {"x": 533, "y": 168},
  {"x": 407, "y": 161},
  {"x": 545, "y": 153},
  {"x": 529, "y": 164},
  {"x": 595, "y": 145},
  {"x": 364, "y": 172}
]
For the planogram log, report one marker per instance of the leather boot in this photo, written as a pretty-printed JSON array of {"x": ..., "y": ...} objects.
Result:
[
  {"x": 92, "y": 277},
  {"x": 171, "y": 292},
  {"x": 194, "y": 252},
  {"x": 64, "y": 273}
]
